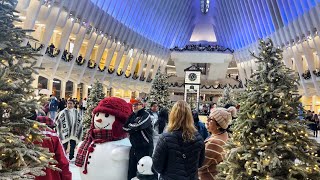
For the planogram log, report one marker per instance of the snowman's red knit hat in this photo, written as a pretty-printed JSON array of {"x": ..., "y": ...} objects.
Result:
[{"x": 116, "y": 107}]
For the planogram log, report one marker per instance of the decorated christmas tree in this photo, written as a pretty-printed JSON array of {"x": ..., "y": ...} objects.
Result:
[
  {"x": 96, "y": 94},
  {"x": 21, "y": 156},
  {"x": 159, "y": 92},
  {"x": 268, "y": 142},
  {"x": 227, "y": 97}
]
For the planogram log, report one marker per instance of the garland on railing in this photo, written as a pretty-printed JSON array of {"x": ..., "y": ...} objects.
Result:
[
  {"x": 91, "y": 64},
  {"x": 316, "y": 72},
  {"x": 66, "y": 56},
  {"x": 219, "y": 86},
  {"x": 149, "y": 80},
  {"x": 142, "y": 78},
  {"x": 80, "y": 60},
  {"x": 101, "y": 70},
  {"x": 127, "y": 76},
  {"x": 35, "y": 49},
  {"x": 210, "y": 48},
  {"x": 120, "y": 73},
  {"x": 306, "y": 75},
  {"x": 111, "y": 71},
  {"x": 135, "y": 76}
]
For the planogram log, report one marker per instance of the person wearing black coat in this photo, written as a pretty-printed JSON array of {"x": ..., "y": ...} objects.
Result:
[
  {"x": 180, "y": 151},
  {"x": 140, "y": 129}
]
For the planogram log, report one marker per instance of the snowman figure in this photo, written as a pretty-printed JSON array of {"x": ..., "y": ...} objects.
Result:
[
  {"x": 104, "y": 154},
  {"x": 144, "y": 168}
]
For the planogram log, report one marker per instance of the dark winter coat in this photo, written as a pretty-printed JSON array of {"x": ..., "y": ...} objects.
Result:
[
  {"x": 168, "y": 159},
  {"x": 202, "y": 129},
  {"x": 139, "y": 127}
]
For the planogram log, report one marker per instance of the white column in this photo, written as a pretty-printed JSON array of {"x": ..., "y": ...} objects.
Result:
[
  {"x": 89, "y": 49},
  {"x": 314, "y": 101},
  {"x": 149, "y": 65},
  {"x": 85, "y": 91},
  {"x": 62, "y": 44},
  {"x": 143, "y": 62},
  {"x": 35, "y": 81},
  {"x": 50, "y": 25},
  {"x": 297, "y": 60},
  {"x": 32, "y": 14},
  {"x": 75, "y": 90},
  {"x": 77, "y": 46},
  {"x": 97, "y": 60},
  {"x": 105, "y": 90},
  {"x": 63, "y": 88},
  {"x": 50, "y": 85},
  {"x": 310, "y": 62},
  {"x": 111, "y": 91}
]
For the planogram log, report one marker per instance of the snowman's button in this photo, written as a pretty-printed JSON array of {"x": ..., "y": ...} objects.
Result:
[
  {"x": 88, "y": 162},
  {"x": 89, "y": 157}
]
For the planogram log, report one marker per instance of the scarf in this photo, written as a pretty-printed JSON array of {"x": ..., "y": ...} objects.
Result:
[
  {"x": 69, "y": 125},
  {"x": 97, "y": 136}
]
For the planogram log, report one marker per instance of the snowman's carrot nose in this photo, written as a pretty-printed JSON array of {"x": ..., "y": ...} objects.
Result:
[{"x": 99, "y": 120}]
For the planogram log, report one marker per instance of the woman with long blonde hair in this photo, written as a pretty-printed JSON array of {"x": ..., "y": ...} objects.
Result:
[{"x": 180, "y": 151}]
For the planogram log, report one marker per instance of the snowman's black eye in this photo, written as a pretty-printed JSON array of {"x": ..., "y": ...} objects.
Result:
[
  {"x": 97, "y": 114},
  {"x": 107, "y": 115},
  {"x": 142, "y": 165},
  {"x": 138, "y": 163}
]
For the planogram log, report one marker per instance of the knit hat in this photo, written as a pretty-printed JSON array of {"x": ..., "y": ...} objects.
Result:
[
  {"x": 223, "y": 116},
  {"x": 135, "y": 101},
  {"x": 116, "y": 107}
]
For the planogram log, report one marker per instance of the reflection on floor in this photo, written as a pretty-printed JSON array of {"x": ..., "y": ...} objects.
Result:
[{"x": 76, "y": 174}]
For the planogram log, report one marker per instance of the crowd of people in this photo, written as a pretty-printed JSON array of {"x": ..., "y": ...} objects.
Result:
[{"x": 181, "y": 146}]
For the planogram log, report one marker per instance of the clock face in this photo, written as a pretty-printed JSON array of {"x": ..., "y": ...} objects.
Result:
[{"x": 192, "y": 76}]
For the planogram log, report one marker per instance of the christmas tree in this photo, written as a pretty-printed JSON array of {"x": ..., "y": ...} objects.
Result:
[
  {"x": 96, "y": 95},
  {"x": 268, "y": 142},
  {"x": 159, "y": 92},
  {"x": 227, "y": 97},
  {"x": 21, "y": 156}
]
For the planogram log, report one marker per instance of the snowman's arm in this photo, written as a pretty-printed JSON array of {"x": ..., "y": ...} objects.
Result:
[{"x": 120, "y": 153}]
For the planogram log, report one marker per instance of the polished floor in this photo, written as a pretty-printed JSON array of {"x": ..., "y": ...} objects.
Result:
[{"x": 76, "y": 175}]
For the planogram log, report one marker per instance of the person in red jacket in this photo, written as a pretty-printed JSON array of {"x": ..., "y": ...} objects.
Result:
[{"x": 52, "y": 142}]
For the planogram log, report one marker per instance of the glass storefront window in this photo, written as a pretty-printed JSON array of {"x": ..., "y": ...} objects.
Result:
[{"x": 42, "y": 83}]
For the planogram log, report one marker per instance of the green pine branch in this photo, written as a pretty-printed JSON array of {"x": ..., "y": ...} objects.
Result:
[
  {"x": 21, "y": 156},
  {"x": 268, "y": 142}
]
